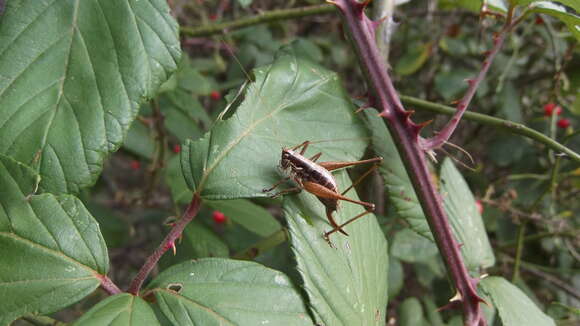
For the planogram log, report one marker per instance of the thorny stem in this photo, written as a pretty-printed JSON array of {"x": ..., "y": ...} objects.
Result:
[
  {"x": 443, "y": 136},
  {"x": 563, "y": 285},
  {"x": 108, "y": 285},
  {"x": 166, "y": 244},
  {"x": 406, "y": 135},
  {"x": 510, "y": 126},
  {"x": 265, "y": 17}
]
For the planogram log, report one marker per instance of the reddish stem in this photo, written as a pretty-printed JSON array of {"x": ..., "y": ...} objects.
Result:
[
  {"x": 108, "y": 285},
  {"x": 443, "y": 136},
  {"x": 166, "y": 244},
  {"x": 406, "y": 135}
]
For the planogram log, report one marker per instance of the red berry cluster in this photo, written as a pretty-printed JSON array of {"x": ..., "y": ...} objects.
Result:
[{"x": 553, "y": 109}]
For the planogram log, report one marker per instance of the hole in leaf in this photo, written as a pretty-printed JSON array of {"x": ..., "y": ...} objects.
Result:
[{"x": 175, "y": 287}]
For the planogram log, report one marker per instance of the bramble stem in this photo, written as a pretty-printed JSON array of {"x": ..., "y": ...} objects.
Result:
[
  {"x": 510, "y": 126},
  {"x": 443, "y": 136},
  {"x": 406, "y": 136},
  {"x": 166, "y": 244},
  {"x": 265, "y": 17}
]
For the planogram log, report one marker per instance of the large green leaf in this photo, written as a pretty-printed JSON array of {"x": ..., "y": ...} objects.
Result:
[
  {"x": 568, "y": 15},
  {"x": 514, "y": 307},
  {"x": 73, "y": 76},
  {"x": 289, "y": 102},
  {"x": 51, "y": 249},
  {"x": 119, "y": 310},
  {"x": 397, "y": 182},
  {"x": 249, "y": 215},
  {"x": 216, "y": 291},
  {"x": 346, "y": 283},
  {"x": 465, "y": 220}
]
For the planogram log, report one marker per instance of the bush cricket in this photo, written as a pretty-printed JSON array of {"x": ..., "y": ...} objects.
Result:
[{"x": 316, "y": 179}]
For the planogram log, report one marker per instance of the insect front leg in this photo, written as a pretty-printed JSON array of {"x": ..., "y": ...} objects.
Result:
[{"x": 293, "y": 190}]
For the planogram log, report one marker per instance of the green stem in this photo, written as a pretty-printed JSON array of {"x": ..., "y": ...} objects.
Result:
[
  {"x": 265, "y": 17},
  {"x": 266, "y": 244},
  {"x": 42, "y": 321},
  {"x": 538, "y": 236},
  {"x": 512, "y": 127},
  {"x": 519, "y": 251}
]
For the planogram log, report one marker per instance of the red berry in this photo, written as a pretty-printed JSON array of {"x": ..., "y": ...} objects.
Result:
[
  {"x": 219, "y": 217},
  {"x": 551, "y": 108},
  {"x": 215, "y": 95},
  {"x": 563, "y": 123},
  {"x": 135, "y": 165},
  {"x": 539, "y": 20},
  {"x": 212, "y": 17},
  {"x": 479, "y": 206},
  {"x": 176, "y": 148}
]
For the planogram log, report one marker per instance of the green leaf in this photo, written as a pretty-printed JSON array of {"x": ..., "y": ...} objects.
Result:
[
  {"x": 307, "y": 49},
  {"x": 451, "y": 84},
  {"x": 184, "y": 115},
  {"x": 510, "y": 103},
  {"x": 51, "y": 247},
  {"x": 514, "y": 307},
  {"x": 410, "y": 247},
  {"x": 74, "y": 74},
  {"x": 249, "y": 215},
  {"x": 476, "y": 5},
  {"x": 574, "y": 4},
  {"x": 119, "y": 310},
  {"x": 114, "y": 229},
  {"x": 411, "y": 312},
  {"x": 413, "y": 59},
  {"x": 216, "y": 291},
  {"x": 203, "y": 242},
  {"x": 140, "y": 141},
  {"x": 174, "y": 179},
  {"x": 432, "y": 311},
  {"x": 465, "y": 220},
  {"x": 396, "y": 276},
  {"x": 245, "y": 3},
  {"x": 568, "y": 15},
  {"x": 397, "y": 182},
  {"x": 199, "y": 241},
  {"x": 289, "y": 102},
  {"x": 346, "y": 283}
]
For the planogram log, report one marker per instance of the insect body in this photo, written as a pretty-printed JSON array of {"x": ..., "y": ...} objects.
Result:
[{"x": 317, "y": 180}]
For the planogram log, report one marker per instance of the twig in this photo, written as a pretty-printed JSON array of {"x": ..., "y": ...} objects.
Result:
[
  {"x": 265, "y": 17},
  {"x": 548, "y": 277},
  {"x": 166, "y": 244},
  {"x": 266, "y": 244},
  {"x": 512, "y": 127},
  {"x": 443, "y": 136},
  {"x": 538, "y": 236},
  {"x": 406, "y": 135}
]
